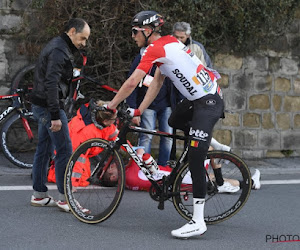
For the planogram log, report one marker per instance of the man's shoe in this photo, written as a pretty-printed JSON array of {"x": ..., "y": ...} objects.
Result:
[
  {"x": 190, "y": 229},
  {"x": 256, "y": 180},
  {"x": 84, "y": 210},
  {"x": 228, "y": 188},
  {"x": 43, "y": 202},
  {"x": 225, "y": 148},
  {"x": 63, "y": 206}
]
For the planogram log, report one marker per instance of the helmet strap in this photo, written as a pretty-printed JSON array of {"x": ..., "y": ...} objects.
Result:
[{"x": 147, "y": 37}]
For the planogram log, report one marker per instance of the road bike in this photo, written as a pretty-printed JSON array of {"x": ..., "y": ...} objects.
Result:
[
  {"x": 19, "y": 148},
  {"x": 19, "y": 130},
  {"x": 97, "y": 201}
]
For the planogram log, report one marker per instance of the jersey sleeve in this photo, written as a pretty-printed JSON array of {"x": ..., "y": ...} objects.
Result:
[{"x": 152, "y": 53}]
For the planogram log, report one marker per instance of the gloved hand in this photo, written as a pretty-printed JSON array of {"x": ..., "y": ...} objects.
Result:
[
  {"x": 133, "y": 112},
  {"x": 109, "y": 109}
]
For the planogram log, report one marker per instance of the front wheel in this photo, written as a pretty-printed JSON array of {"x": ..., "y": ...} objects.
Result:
[
  {"x": 218, "y": 206},
  {"x": 94, "y": 181},
  {"x": 19, "y": 137}
]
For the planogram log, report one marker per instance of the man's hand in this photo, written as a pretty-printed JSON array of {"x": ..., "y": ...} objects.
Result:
[
  {"x": 55, "y": 125},
  {"x": 136, "y": 120},
  {"x": 109, "y": 109},
  {"x": 133, "y": 112}
]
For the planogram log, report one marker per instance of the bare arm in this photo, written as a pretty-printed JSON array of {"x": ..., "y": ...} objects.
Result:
[
  {"x": 153, "y": 90},
  {"x": 128, "y": 86}
]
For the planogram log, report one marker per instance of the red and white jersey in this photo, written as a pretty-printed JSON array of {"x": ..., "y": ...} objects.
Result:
[{"x": 178, "y": 62}]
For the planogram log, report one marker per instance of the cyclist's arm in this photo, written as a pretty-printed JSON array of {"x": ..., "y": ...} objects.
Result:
[
  {"x": 128, "y": 86},
  {"x": 152, "y": 91}
]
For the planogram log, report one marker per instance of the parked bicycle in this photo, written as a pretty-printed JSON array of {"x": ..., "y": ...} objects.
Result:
[
  {"x": 19, "y": 148},
  {"x": 97, "y": 201},
  {"x": 19, "y": 130}
]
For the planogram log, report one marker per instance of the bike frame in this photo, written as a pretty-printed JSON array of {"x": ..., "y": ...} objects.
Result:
[
  {"x": 17, "y": 105},
  {"x": 162, "y": 191}
]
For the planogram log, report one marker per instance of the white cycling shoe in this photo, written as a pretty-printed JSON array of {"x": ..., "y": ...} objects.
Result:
[
  {"x": 190, "y": 229},
  {"x": 228, "y": 188},
  {"x": 256, "y": 180},
  {"x": 197, "y": 224}
]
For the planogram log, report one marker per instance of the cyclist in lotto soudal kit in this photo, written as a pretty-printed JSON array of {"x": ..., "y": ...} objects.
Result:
[{"x": 196, "y": 82}]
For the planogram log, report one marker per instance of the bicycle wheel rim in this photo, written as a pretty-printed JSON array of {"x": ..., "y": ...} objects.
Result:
[
  {"x": 218, "y": 206},
  {"x": 24, "y": 79},
  {"x": 93, "y": 202},
  {"x": 17, "y": 147}
]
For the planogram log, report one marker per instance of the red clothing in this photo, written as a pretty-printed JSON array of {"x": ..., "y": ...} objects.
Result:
[
  {"x": 80, "y": 132},
  {"x": 136, "y": 180}
]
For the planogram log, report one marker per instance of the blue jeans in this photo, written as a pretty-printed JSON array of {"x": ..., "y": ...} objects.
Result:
[
  {"x": 47, "y": 141},
  {"x": 148, "y": 120}
]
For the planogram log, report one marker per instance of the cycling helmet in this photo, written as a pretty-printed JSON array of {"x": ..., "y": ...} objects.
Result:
[{"x": 148, "y": 17}]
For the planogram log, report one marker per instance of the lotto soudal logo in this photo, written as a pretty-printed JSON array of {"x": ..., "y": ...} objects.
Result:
[
  {"x": 276, "y": 238},
  {"x": 198, "y": 133},
  {"x": 184, "y": 81}
]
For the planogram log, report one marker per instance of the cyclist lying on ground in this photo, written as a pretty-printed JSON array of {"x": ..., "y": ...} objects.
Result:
[
  {"x": 136, "y": 180},
  {"x": 92, "y": 123}
]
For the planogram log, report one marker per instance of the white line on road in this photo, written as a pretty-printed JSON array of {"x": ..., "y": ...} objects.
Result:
[
  {"x": 272, "y": 182},
  {"x": 53, "y": 187}
]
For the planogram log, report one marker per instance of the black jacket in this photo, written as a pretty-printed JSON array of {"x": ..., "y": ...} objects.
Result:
[{"x": 53, "y": 74}]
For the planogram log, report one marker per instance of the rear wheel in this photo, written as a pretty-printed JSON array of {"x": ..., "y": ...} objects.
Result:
[
  {"x": 94, "y": 181},
  {"x": 218, "y": 206},
  {"x": 17, "y": 145},
  {"x": 24, "y": 80}
]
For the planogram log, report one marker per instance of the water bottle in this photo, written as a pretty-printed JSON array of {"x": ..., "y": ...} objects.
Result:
[{"x": 150, "y": 163}]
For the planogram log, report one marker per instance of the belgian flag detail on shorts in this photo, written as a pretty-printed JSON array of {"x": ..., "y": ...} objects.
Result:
[{"x": 194, "y": 143}]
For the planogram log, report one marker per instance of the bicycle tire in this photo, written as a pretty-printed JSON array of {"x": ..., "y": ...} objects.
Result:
[
  {"x": 24, "y": 80},
  {"x": 15, "y": 143},
  {"x": 218, "y": 206},
  {"x": 95, "y": 202}
]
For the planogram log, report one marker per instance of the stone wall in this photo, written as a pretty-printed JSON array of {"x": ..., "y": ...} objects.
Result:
[
  {"x": 261, "y": 91},
  {"x": 262, "y": 98},
  {"x": 11, "y": 58}
]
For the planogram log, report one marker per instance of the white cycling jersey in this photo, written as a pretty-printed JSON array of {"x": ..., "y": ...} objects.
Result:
[{"x": 178, "y": 62}]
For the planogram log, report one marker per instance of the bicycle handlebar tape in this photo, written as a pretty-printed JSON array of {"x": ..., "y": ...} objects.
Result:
[{"x": 133, "y": 112}]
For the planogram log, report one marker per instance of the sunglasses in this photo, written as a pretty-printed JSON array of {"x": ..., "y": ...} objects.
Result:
[{"x": 135, "y": 30}]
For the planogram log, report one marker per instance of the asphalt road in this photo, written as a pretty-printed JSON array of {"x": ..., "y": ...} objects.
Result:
[{"x": 269, "y": 220}]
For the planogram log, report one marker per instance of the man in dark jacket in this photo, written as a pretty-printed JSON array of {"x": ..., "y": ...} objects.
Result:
[{"x": 53, "y": 75}]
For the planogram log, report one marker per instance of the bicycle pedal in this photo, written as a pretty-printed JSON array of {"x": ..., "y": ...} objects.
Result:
[{"x": 161, "y": 206}]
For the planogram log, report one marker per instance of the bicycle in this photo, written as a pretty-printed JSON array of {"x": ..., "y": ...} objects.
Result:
[
  {"x": 98, "y": 201},
  {"x": 19, "y": 130},
  {"x": 23, "y": 156}
]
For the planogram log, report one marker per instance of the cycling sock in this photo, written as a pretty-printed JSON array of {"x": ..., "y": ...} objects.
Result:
[
  {"x": 219, "y": 176},
  {"x": 198, "y": 215}
]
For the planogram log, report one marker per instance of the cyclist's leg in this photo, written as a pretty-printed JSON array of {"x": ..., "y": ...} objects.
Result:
[
  {"x": 207, "y": 112},
  {"x": 181, "y": 115},
  {"x": 148, "y": 120},
  {"x": 165, "y": 143}
]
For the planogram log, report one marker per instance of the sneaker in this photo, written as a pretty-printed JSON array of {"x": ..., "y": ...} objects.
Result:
[
  {"x": 84, "y": 210},
  {"x": 63, "y": 206},
  {"x": 190, "y": 229},
  {"x": 43, "y": 202},
  {"x": 228, "y": 188},
  {"x": 256, "y": 180},
  {"x": 225, "y": 148}
]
